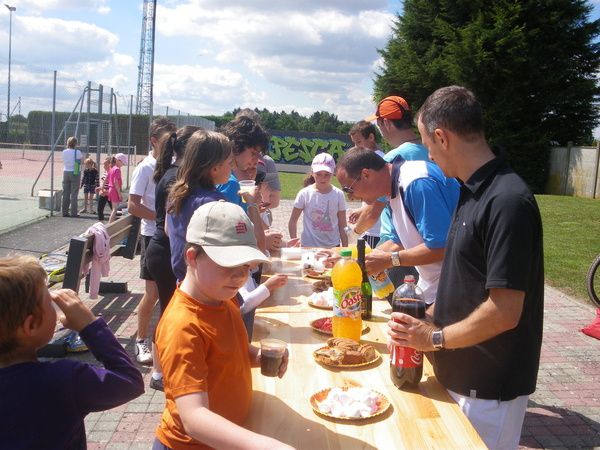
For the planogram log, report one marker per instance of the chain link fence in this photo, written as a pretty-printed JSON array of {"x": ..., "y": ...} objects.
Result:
[{"x": 101, "y": 118}]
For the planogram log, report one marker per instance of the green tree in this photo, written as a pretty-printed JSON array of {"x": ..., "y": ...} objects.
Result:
[{"x": 532, "y": 63}]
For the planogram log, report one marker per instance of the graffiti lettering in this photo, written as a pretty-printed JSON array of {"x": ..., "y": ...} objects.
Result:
[{"x": 291, "y": 150}]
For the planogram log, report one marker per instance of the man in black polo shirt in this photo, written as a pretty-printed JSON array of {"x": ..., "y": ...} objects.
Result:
[{"x": 488, "y": 314}]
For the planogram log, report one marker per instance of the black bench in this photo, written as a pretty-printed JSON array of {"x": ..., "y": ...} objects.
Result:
[{"x": 80, "y": 253}]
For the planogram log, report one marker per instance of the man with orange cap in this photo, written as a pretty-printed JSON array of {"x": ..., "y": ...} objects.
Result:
[{"x": 395, "y": 121}]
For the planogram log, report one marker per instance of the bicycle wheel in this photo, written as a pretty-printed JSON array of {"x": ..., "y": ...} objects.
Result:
[{"x": 593, "y": 281}]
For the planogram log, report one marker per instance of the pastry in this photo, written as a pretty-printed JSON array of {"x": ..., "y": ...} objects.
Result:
[
  {"x": 345, "y": 343},
  {"x": 352, "y": 357},
  {"x": 367, "y": 351}
]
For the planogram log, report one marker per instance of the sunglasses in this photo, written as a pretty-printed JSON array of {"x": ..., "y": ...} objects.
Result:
[{"x": 348, "y": 189}]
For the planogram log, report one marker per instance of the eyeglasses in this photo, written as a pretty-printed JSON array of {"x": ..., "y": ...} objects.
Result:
[{"x": 348, "y": 189}]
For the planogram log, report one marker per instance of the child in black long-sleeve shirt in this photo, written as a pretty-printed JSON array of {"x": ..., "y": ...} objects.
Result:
[{"x": 89, "y": 182}]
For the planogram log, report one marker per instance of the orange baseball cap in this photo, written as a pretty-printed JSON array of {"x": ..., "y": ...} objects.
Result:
[{"x": 392, "y": 108}]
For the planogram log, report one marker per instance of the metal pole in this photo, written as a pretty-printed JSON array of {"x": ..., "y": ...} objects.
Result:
[
  {"x": 129, "y": 137},
  {"x": 99, "y": 133},
  {"x": 596, "y": 169},
  {"x": 87, "y": 127},
  {"x": 52, "y": 132},
  {"x": 11, "y": 9},
  {"x": 117, "y": 140},
  {"x": 110, "y": 110}
]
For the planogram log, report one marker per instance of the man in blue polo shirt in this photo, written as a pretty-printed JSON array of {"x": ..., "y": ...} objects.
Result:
[
  {"x": 422, "y": 200},
  {"x": 488, "y": 316}
]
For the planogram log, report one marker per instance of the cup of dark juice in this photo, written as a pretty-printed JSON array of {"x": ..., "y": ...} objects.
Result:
[{"x": 271, "y": 355}]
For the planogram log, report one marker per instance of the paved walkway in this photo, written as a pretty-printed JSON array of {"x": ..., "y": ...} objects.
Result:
[{"x": 564, "y": 412}]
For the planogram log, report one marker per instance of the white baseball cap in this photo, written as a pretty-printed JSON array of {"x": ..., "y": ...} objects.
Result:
[
  {"x": 121, "y": 157},
  {"x": 225, "y": 233},
  {"x": 323, "y": 161}
]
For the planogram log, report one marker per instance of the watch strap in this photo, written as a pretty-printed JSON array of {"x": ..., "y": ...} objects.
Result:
[
  {"x": 395, "y": 259},
  {"x": 437, "y": 339}
]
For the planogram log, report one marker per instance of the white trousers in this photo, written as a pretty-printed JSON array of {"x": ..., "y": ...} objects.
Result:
[{"x": 498, "y": 423}]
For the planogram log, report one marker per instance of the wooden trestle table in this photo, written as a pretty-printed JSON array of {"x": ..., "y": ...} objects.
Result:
[{"x": 427, "y": 418}]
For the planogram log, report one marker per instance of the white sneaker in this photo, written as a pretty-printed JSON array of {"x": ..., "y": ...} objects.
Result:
[{"x": 142, "y": 352}]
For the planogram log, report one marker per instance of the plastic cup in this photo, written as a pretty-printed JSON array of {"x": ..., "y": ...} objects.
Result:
[
  {"x": 271, "y": 356},
  {"x": 247, "y": 186}
]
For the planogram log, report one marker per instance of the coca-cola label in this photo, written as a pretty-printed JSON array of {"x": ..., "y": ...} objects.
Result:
[
  {"x": 347, "y": 302},
  {"x": 406, "y": 357}
]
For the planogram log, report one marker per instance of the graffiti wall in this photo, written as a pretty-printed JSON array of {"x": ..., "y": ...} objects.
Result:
[{"x": 300, "y": 148}]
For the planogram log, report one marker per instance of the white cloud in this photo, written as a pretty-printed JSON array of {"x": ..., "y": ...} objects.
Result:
[
  {"x": 122, "y": 60},
  {"x": 202, "y": 89},
  {"x": 310, "y": 47},
  {"x": 53, "y": 42},
  {"x": 99, "y": 6}
]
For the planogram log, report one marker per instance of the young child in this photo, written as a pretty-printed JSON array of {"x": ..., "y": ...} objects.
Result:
[
  {"x": 43, "y": 404},
  {"x": 324, "y": 207},
  {"x": 89, "y": 182},
  {"x": 202, "y": 344},
  {"x": 207, "y": 162},
  {"x": 102, "y": 190},
  {"x": 115, "y": 183}
]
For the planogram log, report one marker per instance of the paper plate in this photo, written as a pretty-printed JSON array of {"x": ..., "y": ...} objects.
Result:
[
  {"x": 330, "y": 308},
  {"x": 316, "y": 275},
  {"x": 315, "y": 325},
  {"x": 318, "y": 397},
  {"x": 346, "y": 366}
]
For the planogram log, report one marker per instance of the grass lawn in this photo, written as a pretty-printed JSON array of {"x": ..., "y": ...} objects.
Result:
[
  {"x": 571, "y": 235},
  {"x": 571, "y": 240}
]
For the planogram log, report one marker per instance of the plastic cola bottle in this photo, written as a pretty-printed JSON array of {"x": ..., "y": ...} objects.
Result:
[
  {"x": 346, "y": 278},
  {"x": 406, "y": 364}
]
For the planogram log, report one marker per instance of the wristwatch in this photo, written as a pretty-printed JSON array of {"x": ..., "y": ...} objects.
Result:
[
  {"x": 395, "y": 259},
  {"x": 437, "y": 339}
]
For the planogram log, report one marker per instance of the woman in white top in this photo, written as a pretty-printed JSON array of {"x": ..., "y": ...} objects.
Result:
[
  {"x": 323, "y": 205},
  {"x": 71, "y": 177}
]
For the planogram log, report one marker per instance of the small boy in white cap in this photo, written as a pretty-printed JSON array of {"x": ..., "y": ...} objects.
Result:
[
  {"x": 201, "y": 340},
  {"x": 324, "y": 207}
]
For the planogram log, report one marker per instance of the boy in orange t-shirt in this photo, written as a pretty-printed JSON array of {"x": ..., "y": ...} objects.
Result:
[{"x": 202, "y": 343}]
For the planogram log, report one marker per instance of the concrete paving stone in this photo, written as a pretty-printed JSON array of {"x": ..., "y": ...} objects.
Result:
[
  {"x": 130, "y": 426},
  {"x": 100, "y": 436},
  {"x": 550, "y": 442},
  {"x": 591, "y": 441},
  {"x": 117, "y": 446},
  {"x": 528, "y": 443},
  {"x": 122, "y": 436},
  {"x": 132, "y": 407},
  {"x": 141, "y": 445},
  {"x": 105, "y": 425},
  {"x": 144, "y": 436},
  {"x": 95, "y": 445},
  {"x": 150, "y": 425},
  {"x": 112, "y": 415},
  {"x": 156, "y": 407},
  {"x": 571, "y": 441},
  {"x": 540, "y": 431}
]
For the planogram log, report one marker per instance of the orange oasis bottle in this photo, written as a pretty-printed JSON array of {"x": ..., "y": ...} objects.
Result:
[{"x": 346, "y": 278}]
